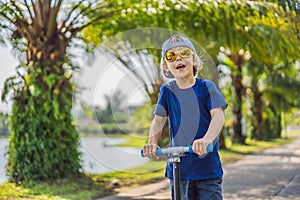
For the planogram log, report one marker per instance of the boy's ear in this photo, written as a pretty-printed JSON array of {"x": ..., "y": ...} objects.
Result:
[
  {"x": 197, "y": 62},
  {"x": 166, "y": 70},
  {"x": 165, "y": 66}
]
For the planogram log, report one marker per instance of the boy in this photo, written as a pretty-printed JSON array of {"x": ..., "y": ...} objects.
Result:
[{"x": 194, "y": 108}]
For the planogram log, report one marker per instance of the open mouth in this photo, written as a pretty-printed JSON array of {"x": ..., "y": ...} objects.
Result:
[{"x": 180, "y": 66}]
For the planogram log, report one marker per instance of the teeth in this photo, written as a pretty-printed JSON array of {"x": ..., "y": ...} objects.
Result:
[{"x": 180, "y": 66}]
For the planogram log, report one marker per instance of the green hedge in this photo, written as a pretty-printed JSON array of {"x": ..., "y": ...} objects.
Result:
[{"x": 43, "y": 141}]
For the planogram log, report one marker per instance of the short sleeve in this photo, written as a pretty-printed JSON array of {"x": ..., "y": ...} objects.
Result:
[
  {"x": 215, "y": 98},
  {"x": 161, "y": 106}
]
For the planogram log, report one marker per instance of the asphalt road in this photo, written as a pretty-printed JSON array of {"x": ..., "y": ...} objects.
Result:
[{"x": 273, "y": 174}]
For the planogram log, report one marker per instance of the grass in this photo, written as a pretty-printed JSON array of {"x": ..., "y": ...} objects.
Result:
[
  {"x": 147, "y": 173},
  {"x": 91, "y": 186},
  {"x": 133, "y": 140},
  {"x": 77, "y": 188}
]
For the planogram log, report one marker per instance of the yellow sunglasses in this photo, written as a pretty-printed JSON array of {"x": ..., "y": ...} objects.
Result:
[{"x": 183, "y": 53}]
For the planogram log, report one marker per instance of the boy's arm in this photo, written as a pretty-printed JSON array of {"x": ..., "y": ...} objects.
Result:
[
  {"x": 155, "y": 131},
  {"x": 213, "y": 131}
]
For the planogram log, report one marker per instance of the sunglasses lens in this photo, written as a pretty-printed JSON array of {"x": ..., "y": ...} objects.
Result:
[
  {"x": 170, "y": 56},
  {"x": 183, "y": 53}
]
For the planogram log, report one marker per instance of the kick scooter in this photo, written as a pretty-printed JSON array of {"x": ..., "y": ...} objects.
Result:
[{"x": 174, "y": 155}]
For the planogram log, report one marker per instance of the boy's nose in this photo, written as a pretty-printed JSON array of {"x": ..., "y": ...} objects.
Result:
[{"x": 178, "y": 57}]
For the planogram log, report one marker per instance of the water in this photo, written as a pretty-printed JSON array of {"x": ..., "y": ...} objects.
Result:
[
  {"x": 3, "y": 159},
  {"x": 99, "y": 155}
]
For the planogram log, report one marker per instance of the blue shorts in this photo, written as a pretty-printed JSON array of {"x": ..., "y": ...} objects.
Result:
[{"x": 200, "y": 189}]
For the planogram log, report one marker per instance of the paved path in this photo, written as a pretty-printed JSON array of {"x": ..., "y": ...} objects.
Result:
[{"x": 273, "y": 174}]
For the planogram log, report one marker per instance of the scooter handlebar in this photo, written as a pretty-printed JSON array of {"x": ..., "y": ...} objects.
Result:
[{"x": 178, "y": 150}]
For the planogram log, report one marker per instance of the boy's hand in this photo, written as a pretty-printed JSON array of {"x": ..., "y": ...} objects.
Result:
[
  {"x": 200, "y": 146},
  {"x": 150, "y": 150}
]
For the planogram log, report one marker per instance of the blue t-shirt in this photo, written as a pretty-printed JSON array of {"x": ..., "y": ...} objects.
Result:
[{"x": 188, "y": 112}]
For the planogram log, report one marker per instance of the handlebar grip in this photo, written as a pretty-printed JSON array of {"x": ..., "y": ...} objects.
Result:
[
  {"x": 159, "y": 151},
  {"x": 142, "y": 153},
  {"x": 209, "y": 148}
]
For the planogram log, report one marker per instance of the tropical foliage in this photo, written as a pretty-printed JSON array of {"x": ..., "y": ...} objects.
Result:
[
  {"x": 43, "y": 141},
  {"x": 265, "y": 32},
  {"x": 255, "y": 45}
]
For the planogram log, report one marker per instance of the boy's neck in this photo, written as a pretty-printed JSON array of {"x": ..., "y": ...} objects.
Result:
[{"x": 185, "y": 83}]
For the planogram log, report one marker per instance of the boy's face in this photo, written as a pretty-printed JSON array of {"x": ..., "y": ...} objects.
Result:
[{"x": 179, "y": 61}]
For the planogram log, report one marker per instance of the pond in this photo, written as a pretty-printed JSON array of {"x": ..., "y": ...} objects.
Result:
[{"x": 99, "y": 155}]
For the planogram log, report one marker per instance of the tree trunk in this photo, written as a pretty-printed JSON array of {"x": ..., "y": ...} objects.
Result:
[
  {"x": 237, "y": 110},
  {"x": 222, "y": 144},
  {"x": 44, "y": 142},
  {"x": 278, "y": 127},
  {"x": 258, "y": 126},
  {"x": 236, "y": 77}
]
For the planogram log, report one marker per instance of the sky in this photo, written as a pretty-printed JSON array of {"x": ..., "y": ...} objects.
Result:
[
  {"x": 7, "y": 69},
  {"x": 94, "y": 80}
]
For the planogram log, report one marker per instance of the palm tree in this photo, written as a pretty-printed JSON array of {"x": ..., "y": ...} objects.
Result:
[
  {"x": 242, "y": 30},
  {"x": 44, "y": 141},
  {"x": 282, "y": 92},
  {"x": 142, "y": 60}
]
